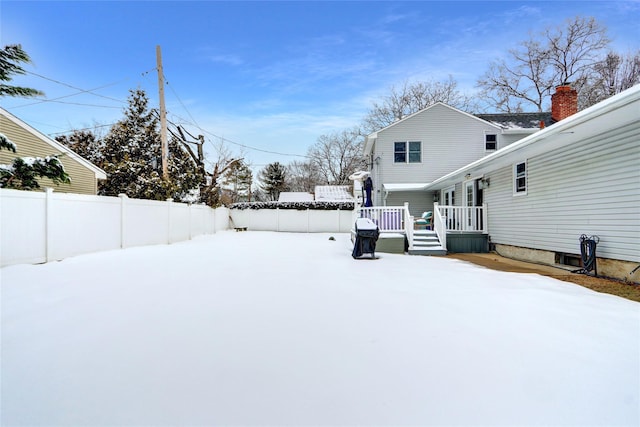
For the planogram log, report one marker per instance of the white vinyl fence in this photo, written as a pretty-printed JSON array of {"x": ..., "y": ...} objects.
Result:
[
  {"x": 38, "y": 227},
  {"x": 293, "y": 220}
]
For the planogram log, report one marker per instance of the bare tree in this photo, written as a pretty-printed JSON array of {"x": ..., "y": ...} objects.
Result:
[
  {"x": 303, "y": 176},
  {"x": 574, "y": 50},
  {"x": 612, "y": 75},
  {"x": 210, "y": 180},
  {"x": 410, "y": 98},
  {"x": 528, "y": 81},
  {"x": 531, "y": 71},
  {"x": 338, "y": 155}
]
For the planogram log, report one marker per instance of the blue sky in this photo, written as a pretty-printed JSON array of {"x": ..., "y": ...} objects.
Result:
[{"x": 270, "y": 76}]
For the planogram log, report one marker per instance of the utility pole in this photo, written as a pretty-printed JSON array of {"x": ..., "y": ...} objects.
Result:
[{"x": 163, "y": 115}]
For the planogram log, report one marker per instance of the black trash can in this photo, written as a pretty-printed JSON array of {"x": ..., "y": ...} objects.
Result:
[{"x": 367, "y": 233}]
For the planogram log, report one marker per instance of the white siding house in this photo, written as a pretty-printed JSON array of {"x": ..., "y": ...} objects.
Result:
[
  {"x": 411, "y": 153},
  {"x": 578, "y": 176}
]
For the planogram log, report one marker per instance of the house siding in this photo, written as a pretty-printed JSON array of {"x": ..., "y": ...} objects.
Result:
[
  {"x": 83, "y": 180},
  {"x": 590, "y": 188},
  {"x": 450, "y": 139},
  {"x": 419, "y": 202}
]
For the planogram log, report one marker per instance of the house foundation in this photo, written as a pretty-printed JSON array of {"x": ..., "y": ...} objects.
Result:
[{"x": 627, "y": 271}]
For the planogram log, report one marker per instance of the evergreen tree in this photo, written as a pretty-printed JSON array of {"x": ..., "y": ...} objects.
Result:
[
  {"x": 10, "y": 58},
  {"x": 24, "y": 172},
  {"x": 237, "y": 181},
  {"x": 273, "y": 178},
  {"x": 133, "y": 158},
  {"x": 85, "y": 144}
]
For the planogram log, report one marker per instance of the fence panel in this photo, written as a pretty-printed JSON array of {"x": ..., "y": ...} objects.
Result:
[
  {"x": 23, "y": 227},
  {"x": 43, "y": 226},
  {"x": 81, "y": 224},
  {"x": 293, "y": 220}
]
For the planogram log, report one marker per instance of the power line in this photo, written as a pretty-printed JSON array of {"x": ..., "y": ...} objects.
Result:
[
  {"x": 194, "y": 123},
  {"x": 82, "y": 90}
]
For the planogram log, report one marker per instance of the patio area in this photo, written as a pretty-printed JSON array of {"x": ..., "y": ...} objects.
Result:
[{"x": 259, "y": 328}]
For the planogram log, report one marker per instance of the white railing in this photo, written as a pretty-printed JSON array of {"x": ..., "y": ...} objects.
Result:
[
  {"x": 463, "y": 218},
  {"x": 439, "y": 226},
  {"x": 389, "y": 219},
  {"x": 408, "y": 224}
]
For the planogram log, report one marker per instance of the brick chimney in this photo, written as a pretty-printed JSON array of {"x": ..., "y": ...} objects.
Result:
[{"x": 564, "y": 102}]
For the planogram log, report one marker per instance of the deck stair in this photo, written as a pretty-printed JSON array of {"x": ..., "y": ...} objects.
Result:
[{"x": 426, "y": 242}]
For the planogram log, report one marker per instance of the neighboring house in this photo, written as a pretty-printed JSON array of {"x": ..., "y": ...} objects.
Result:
[
  {"x": 295, "y": 196},
  {"x": 411, "y": 153},
  {"x": 333, "y": 193},
  {"x": 32, "y": 143},
  {"x": 578, "y": 176}
]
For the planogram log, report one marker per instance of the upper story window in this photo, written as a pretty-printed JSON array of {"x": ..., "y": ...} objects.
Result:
[
  {"x": 520, "y": 178},
  {"x": 407, "y": 152},
  {"x": 490, "y": 142}
]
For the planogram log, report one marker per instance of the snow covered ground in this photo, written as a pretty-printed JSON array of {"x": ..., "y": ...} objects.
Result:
[{"x": 275, "y": 328}]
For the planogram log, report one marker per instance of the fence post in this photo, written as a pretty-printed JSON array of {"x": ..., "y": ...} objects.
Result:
[
  {"x": 169, "y": 206},
  {"x": 190, "y": 222},
  {"x": 123, "y": 198},
  {"x": 48, "y": 211}
]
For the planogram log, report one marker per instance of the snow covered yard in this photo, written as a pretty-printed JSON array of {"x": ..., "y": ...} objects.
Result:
[{"x": 277, "y": 328}]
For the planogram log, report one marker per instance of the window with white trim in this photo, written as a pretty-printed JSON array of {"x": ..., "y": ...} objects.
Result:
[
  {"x": 407, "y": 152},
  {"x": 520, "y": 178},
  {"x": 491, "y": 142}
]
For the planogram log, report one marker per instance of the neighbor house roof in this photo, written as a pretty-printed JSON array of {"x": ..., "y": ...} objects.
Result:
[
  {"x": 295, "y": 196},
  {"x": 333, "y": 192},
  {"x": 99, "y": 173},
  {"x": 614, "y": 113}
]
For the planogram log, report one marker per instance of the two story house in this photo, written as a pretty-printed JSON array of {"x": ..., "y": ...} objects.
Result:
[{"x": 409, "y": 154}]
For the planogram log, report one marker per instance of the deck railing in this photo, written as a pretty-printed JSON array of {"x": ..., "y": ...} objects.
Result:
[
  {"x": 388, "y": 218},
  {"x": 439, "y": 226},
  {"x": 464, "y": 218}
]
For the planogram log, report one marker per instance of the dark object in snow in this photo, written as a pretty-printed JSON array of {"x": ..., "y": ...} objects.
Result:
[
  {"x": 368, "y": 187},
  {"x": 332, "y": 238},
  {"x": 588, "y": 254},
  {"x": 367, "y": 233}
]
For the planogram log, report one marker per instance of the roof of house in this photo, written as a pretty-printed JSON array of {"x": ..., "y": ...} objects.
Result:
[
  {"x": 507, "y": 122},
  {"x": 99, "y": 173},
  {"x": 414, "y": 186},
  {"x": 295, "y": 196},
  {"x": 333, "y": 193},
  {"x": 510, "y": 121},
  {"x": 614, "y": 113}
]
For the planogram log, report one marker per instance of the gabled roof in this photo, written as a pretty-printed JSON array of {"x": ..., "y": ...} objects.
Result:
[
  {"x": 368, "y": 141},
  {"x": 614, "y": 113},
  {"x": 99, "y": 173},
  {"x": 526, "y": 122}
]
